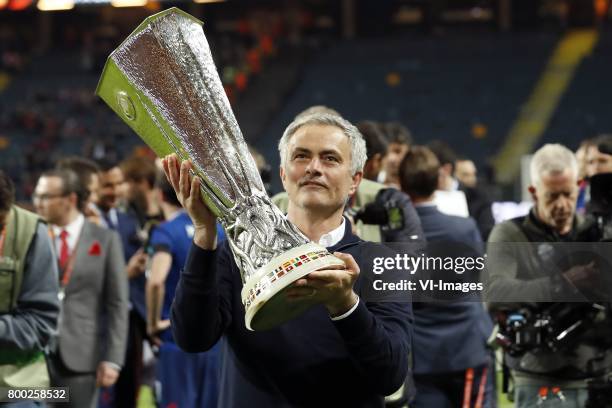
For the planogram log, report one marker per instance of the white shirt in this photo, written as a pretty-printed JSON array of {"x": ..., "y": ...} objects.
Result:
[
  {"x": 333, "y": 237},
  {"x": 73, "y": 229}
]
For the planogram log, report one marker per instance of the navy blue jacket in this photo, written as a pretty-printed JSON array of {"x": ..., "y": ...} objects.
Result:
[
  {"x": 310, "y": 361},
  {"x": 127, "y": 228},
  {"x": 450, "y": 336}
]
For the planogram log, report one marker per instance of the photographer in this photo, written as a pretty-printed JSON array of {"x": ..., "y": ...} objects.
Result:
[
  {"x": 598, "y": 220},
  {"x": 545, "y": 375}
]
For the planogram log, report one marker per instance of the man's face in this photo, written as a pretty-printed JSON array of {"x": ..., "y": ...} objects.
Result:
[
  {"x": 317, "y": 174},
  {"x": 111, "y": 184},
  {"x": 50, "y": 201},
  {"x": 465, "y": 172},
  {"x": 598, "y": 162},
  {"x": 555, "y": 200},
  {"x": 393, "y": 158},
  {"x": 137, "y": 191}
]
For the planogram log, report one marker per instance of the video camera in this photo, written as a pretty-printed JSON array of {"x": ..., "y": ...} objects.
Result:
[
  {"x": 556, "y": 326},
  {"x": 388, "y": 215},
  {"x": 386, "y": 210}
]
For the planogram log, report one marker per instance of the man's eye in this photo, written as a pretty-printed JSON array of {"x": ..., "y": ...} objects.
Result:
[
  {"x": 331, "y": 158},
  {"x": 299, "y": 156}
]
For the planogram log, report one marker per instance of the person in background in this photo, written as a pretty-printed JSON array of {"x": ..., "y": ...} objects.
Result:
[
  {"x": 376, "y": 146},
  {"x": 519, "y": 279},
  {"x": 399, "y": 138},
  {"x": 583, "y": 178},
  {"x": 186, "y": 379},
  {"x": 473, "y": 200},
  {"x": 451, "y": 357},
  {"x": 29, "y": 304},
  {"x": 140, "y": 174},
  {"x": 93, "y": 291},
  {"x": 599, "y": 156},
  {"x": 88, "y": 172},
  {"x": 126, "y": 225},
  {"x": 466, "y": 173}
]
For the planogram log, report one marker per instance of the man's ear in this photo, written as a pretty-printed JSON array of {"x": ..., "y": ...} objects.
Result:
[
  {"x": 282, "y": 174},
  {"x": 355, "y": 184},
  {"x": 532, "y": 191}
]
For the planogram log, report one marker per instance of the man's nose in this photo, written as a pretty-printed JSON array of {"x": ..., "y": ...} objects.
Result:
[
  {"x": 564, "y": 203},
  {"x": 314, "y": 166}
]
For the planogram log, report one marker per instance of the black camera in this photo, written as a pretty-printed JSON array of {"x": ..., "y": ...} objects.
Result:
[
  {"x": 556, "y": 326},
  {"x": 388, "y": 215}
]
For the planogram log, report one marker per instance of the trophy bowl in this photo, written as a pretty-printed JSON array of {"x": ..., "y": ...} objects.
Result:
[{"x": 163, "y": 83}]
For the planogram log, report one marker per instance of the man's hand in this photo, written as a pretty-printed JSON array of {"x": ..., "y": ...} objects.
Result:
[
  {"x": 584, "y": 277},
  {"x": 137, "y": 263},
  {"x": 331, "y": 287},
  {"x": 187, "y": 189},
  {"x": 106, "y": 375},
  {"x": 159, "y": 327}
]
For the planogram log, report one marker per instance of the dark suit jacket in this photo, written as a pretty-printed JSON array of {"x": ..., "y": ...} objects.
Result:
[
  {"x": 450, "y": 336},
  {"x": 127, "y": 229},
  {"x": 93, "y": 323},
  {"x": 309, "y": 361},
  {"x": 480, "y": 209}
]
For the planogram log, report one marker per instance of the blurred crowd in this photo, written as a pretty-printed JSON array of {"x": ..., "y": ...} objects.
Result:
[
  {"x": 43, "y": 124},
  {"x": 123, "y": 220}
]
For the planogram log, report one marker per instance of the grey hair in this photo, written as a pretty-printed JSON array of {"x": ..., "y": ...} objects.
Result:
[
  {"x": 358, "y": 146},
  {"x": 550, "y": 159}
]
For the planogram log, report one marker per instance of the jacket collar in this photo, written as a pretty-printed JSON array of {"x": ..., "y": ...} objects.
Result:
[
  {"x": 349, "y": 239},
  {"x": 539, "y": 231}
]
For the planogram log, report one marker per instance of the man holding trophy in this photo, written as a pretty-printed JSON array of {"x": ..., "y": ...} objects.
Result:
[
  {"x": 281, "y": 291},
  {"x": 343, "y": 353}
]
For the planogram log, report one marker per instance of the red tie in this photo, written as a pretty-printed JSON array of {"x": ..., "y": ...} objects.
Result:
[{"x": 64, "y": 251}]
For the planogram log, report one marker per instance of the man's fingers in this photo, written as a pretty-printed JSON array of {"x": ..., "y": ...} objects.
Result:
[
  {"x": 195, "y": 188},
  {"x": 301, "y": 292},
  {"x": 349, "y": 261},
  {"x": 173, "y": 172},
  {"x": 185, "y": 180},
  {"x": 300, "y": 282},
  {"x": 325, "y": 275}
]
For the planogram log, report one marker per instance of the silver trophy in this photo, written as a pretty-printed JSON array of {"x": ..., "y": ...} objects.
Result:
[{"x": 163, "y": 83}]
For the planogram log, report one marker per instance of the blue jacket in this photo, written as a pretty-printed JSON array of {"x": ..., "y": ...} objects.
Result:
[
  {"x": 127, "y": 228},
  {"x": 309, "y": 361},
  {"x": 450, "y": 336}
]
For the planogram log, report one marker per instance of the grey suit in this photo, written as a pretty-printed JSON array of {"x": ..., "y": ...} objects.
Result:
[{"x": 94, "y": 317}]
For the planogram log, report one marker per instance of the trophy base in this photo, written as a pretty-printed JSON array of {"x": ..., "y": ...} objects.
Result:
[{"x": 263, "y": 295}]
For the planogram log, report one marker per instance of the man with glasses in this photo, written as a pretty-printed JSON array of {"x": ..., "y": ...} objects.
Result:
[
  {"x": 28, "y": 294},
  {"x": 93, "y": 284}
]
